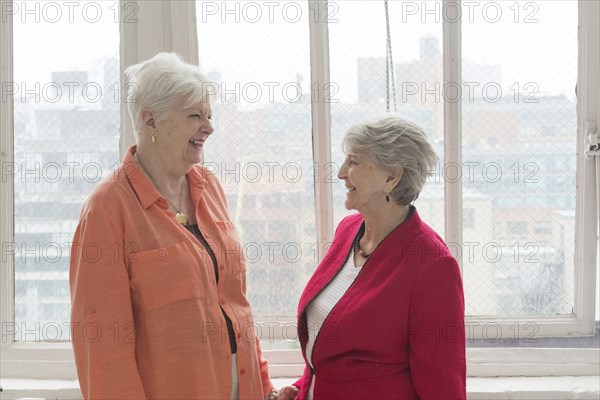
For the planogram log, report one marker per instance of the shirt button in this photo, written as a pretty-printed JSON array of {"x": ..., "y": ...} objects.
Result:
[
  {"x": 91, "y": 311},
  {"x": 222, "y": 302},
  {"x": 239, "y": 336},
  {"x": 242, "y": 371},
  {"x": 162, "y": 253}
]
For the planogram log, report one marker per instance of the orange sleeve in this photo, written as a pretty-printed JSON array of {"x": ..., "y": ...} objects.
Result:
[
  {"x": 102, "y": 325},
  {"x": 264, "y": 370},
  {"x": 263, "y": 365}
]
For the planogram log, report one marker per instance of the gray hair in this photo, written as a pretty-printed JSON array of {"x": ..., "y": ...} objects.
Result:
[
  {"x": 393, "y": 142},
  {"x": 163, "y": 84}
]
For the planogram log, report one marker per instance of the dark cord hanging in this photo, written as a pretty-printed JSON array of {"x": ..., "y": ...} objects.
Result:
[{"x": 389, "y": 64}]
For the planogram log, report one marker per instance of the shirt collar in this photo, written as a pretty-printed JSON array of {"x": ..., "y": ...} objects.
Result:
[{"x": 144, "y": 188}]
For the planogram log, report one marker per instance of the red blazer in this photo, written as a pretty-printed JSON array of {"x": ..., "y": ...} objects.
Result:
[{"x": 398, "y": 332}]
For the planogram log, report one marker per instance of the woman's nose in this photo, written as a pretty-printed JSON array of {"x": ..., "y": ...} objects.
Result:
[{"x": 342, "y": 172}]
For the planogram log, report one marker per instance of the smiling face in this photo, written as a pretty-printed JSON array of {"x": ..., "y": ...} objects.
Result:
[
  {"x": 366, "y": 182},
  {"x": 182, "y": 133}
]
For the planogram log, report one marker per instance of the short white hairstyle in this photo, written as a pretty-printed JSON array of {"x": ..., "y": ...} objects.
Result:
[
  {"x": 163, "y": 84},
  {"x": 393, "y": 142}
]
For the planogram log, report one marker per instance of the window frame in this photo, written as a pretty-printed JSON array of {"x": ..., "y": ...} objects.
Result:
[
  {"x": 582, "y": 321},
  {"x": 164, "y": 22}
]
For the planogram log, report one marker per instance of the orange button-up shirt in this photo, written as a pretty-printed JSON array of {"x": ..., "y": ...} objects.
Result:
[{"x": 146, "y": 307}]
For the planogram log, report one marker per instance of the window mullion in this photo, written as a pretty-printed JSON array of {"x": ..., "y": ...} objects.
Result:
[
  {"x": 158, "y": 26},
  {"x": 586, "y": 219},
  {"x": 321, "y": 125},
  {"x": 452, "y": 60},
  {"x": 7, "y": 297}
]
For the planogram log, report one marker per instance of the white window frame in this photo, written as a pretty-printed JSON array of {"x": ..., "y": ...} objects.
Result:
[
  {"x": 582, "y": 320},
  {"x": 171, "y": 26}
]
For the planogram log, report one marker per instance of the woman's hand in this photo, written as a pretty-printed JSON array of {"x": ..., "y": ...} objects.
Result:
[{"x": 286, "y": 393}]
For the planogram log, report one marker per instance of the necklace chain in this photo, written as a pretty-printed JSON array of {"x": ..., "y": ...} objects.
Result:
[
  {"x": 181, "y": 217},
  {"x": 361, "y": 232}
]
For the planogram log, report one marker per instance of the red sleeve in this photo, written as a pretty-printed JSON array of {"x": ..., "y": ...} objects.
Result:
[
  {"x": 437, "y": 332},
  {"x": 304, "y": 380},
  {"x": 100, "y": 309}
]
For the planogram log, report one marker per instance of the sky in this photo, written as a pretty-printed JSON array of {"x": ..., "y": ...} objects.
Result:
[
  {"x": 357, "y": 29},
  {"x": 531, "y": 41}
]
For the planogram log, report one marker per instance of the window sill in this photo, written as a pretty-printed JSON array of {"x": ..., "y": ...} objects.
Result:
[
  {"x": 13, "y": 388},
  {"x": 522, "y": 387},
  {"x": 556, "y": 387}
]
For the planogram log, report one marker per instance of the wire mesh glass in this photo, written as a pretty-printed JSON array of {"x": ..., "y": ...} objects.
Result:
[
  {"x": 360, "y": 90},
  {"x": 519, "y": 128},
  {"x": 66, "y": 135},
  {"x": 257, "y": 55}
]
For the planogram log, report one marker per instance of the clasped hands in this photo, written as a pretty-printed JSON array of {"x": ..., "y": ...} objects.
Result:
[{"x": 286, "y": 393}]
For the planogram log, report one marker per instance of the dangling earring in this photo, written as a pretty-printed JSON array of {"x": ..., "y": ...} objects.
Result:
[
  {"x": 387, "y": 198},
  {"x": 153, "y": 138}
]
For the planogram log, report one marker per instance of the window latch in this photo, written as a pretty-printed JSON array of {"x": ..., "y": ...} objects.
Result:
[{"x": 593, "y": 140}]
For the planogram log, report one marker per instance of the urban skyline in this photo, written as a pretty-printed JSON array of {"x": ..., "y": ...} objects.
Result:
[{"x": 279, "y": 207}]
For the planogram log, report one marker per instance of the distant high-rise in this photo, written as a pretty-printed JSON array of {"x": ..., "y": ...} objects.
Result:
[
  {"x": 111, "y": 89},
  {"x": 68, "y": 88}
]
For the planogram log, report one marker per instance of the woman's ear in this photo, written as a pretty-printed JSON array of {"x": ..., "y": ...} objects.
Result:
[
  {"x": 148, "y": 119},
  {"x": 148, "y": 124},
  {"x": 393, "y": 179}
]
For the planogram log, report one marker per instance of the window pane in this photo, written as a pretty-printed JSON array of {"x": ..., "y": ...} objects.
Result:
[
  {"x": 519, "y": 157},
  {"x": 258, "y": 56},
  {"x": 66, "y": 135},
  {"x": 357, "y": 32}
]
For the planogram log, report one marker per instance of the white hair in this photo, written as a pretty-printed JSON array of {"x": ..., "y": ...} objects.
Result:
[
  {"x": 163, "y": 84},
  {"x": 392, "y": 143}
]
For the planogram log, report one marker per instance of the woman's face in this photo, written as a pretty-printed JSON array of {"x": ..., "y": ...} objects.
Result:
[
  {"x": 366, "y": 183},
  {"x": 183, "y": 132}
]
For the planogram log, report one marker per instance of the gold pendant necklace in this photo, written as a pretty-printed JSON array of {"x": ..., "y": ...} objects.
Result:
[
  {"x": 182, "y": 218},
  {"x": 179, "y": 216}
]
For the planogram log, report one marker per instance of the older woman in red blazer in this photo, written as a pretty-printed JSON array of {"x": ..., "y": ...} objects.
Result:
[{"x": 383, "y": 315}]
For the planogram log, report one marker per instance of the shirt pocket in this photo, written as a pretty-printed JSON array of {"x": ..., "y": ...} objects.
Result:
[
  {"x": 231, "y": 246},
  {"x": 168, "y": 274}
]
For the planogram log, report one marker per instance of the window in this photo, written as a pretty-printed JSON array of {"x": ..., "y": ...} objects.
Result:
[
  {"x": 59, "y": 127},
  {"x": 518, "y": 228},
  {"x": 516, "y": 168},
  {"x": 262, "y": 146},
  {"x": 293, "y": 76},
  {"x": 516, "y": 100},
  {"x": 60, "y": 109},
  {"x": 515, "y": 121}
]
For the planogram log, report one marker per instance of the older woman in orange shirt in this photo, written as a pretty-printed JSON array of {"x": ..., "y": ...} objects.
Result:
[{"x": 158, "y": 281}]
